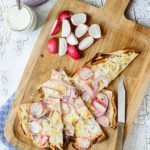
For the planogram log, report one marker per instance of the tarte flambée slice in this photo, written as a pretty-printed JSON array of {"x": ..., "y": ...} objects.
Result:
[
  {"x": 87, "y": 130},
  {"x": 96, "y": 75},
  {"x": 42, "y": 123}
]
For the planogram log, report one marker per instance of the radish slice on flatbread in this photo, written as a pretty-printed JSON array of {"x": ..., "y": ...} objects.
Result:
[
  {"x": 35, "y": 127},
  {"x": 103, "y": 120},
  {"x": 85, "y": 73},
  {"x": 83, "y": 143},
  {"x": 36, "y": 109},
  {"x": 43, "y": 140}
]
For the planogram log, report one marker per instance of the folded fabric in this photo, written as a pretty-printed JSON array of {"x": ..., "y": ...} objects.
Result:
[{"x": 4, "y": 110}]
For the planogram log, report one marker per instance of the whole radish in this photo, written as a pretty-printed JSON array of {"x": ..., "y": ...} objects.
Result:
[
  {"x": 52, "y": 45},
  {"x": 73, "y": 52}
]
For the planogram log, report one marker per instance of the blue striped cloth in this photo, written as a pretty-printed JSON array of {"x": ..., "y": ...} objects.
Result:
[{"x": 4, "y": 110}]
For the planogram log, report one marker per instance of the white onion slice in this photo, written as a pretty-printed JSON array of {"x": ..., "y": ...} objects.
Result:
[
  {"x": 85, "y": 73},
  {"x": 83, "y": 143},
  {"x": 35, "y": 127},
  {"x": 36, "y": 109},
  {"x": 103, "y": 120}
]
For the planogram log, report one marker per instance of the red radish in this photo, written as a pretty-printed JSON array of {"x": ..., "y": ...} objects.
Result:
[
  {"x": 64, "y": 15},
  {"x": 95, "y": 31},
  {"x": 86, "y": 43},
  {"x": 73, "y": 52},
  {"x": 103, "y": 120},
  {"x": 62, "y": 46},
  {"x": 56, "y": 27},
  {"x": 66, "y": 29},
  {"x": 81, "y": 30},
  {"x": 65, "y": 107},
  {"x": 78, "y": 19},
  {"x": 35, "y": 127},
  {"x": 85, "y": 73},
  {"x": 52, "y": 45},
  {"x": 36, "y": 109},
  {"x": 88, "y": 89},
  {"x": 104, "y": 98},
  {"x": 83, "y": 142},
  {"x": 99, "y": 106},
  {"x": 71, "y": 39},
  {"x": 43, "y": 139}
]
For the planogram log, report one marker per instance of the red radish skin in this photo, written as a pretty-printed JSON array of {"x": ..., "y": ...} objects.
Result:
[
  {"x": 53, "y": 46},
  {"x": 56, "y": 27},
  {"x": 73, "y": 52},
  {"x": 64, "y": 15},
  {"x": 86, "y": 73},
  {"x": 43, "y": 140}
]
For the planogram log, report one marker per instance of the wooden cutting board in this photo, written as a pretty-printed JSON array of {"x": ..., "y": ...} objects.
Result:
[{"x": 118, "y": 33}]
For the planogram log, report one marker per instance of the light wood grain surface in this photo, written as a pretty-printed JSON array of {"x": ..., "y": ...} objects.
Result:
[{"x": 119, "y": 36}]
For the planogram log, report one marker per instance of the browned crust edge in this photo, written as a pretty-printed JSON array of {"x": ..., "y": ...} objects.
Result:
[
  {"x": 102, "y": 57},
  {"x": 114, "y": 120}
]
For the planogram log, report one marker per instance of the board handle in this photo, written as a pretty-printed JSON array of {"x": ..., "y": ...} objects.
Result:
[{"x": 117, "y": 7}]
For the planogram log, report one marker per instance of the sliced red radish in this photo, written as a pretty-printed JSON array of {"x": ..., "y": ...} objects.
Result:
[
  {"x": 78, "y": 19},
  {"x": 35, "y": 127},
  {"x": 99, "y": 106},
  {"x": 103, "y": 120},
  {"x": 86, "y": 43},
  {"x": 85, "y": 73},
  {"x": 73, "y": 52},
  {"x": 88, "y": 89},
  {"x": 83, "y": 143},
  {"x": 52, "y": 45},
  {"x": 71, "y": 39},
  {"x": 65, "y": 107},
  {"x": 56, "y": 27},
  {"x": 64, "y": 15},
  {"x": 62, "y": 46},
  {"x": 104, "y": 98},
  {"x": 36, "y": 109},
  {"x": 95, "y": 31},
  {"x": 66, "y": 29},
  {"x": 43, "y": 139},
  {"x": 81, "y": 30}
]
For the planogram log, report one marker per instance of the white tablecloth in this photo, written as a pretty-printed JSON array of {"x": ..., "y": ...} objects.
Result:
[{"x": 15, "y": 50}]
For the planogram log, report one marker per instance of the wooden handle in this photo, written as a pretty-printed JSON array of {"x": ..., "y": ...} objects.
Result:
[
  {"x": 116, "y": 7},
  {"x": 120, "y": 137}
]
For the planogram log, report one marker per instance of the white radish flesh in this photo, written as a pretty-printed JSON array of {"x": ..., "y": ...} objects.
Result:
[
  {"x": 66, "y": 29},
  {"x": 62, "y": 46},
  {"x": 71, "y": 39},
  {"x": 64, "y": 15},
  {"x": 103, "y": 120},
  {"x": 56, "y": 27},
  {"x": 78, "y": 19},
  {"x": 52, "y": 46},
  {"x": 83, "y": 143},
  {"x": 35, "y": 127},
  {"x": 86, "y": 43},
  {"x": 95, "y": 31},
  {"x": 85, "y": 73},
  {"x": 81, "y": 30},
  {"x": 36, "y": 109},
  {"x": 73, "y": 52}
]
